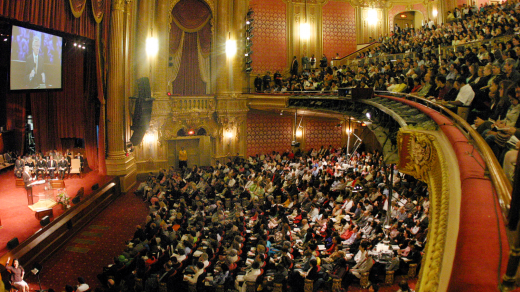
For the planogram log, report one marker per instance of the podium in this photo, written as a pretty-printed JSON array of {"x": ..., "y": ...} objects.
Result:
[{"x": 43, "y": 190}]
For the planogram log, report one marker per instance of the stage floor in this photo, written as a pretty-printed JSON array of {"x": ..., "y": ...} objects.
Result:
[{"x": 18, "y": 220}]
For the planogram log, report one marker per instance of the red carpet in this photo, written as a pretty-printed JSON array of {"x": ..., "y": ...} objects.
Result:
[
  {"x": 93, "y": 247},
  {"x": 18, "y": 220}
]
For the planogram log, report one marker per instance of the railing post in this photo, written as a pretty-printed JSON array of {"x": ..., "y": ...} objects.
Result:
[{"x": 509, "y": 279}]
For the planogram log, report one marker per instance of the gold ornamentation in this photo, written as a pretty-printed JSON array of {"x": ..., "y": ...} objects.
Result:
[{"x": 425, "y": 161}]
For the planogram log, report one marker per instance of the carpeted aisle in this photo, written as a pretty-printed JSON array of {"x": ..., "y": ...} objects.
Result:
[
  {"x": 18, "y": 220},
  {"x": 93, "y": 247}
]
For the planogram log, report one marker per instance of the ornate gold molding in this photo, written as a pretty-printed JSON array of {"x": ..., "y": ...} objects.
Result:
[{"x": 422, "y": 157}]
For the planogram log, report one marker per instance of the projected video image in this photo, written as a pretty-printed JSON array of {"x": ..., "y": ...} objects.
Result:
[{"x": 36, "y": 59}]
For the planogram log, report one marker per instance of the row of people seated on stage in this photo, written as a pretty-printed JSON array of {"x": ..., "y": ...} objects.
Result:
[
  {"x": 41, "y": 166},
  {"x": 275, "y": 221}
]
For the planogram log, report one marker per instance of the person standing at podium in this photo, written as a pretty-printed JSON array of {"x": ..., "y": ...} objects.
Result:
[
  {"x": 26, "y": 175},
  {"x": 51, "y": 166}
]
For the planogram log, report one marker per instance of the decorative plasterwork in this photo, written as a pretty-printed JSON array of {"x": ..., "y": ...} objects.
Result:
[
  {"x": 421, "y": 156},
  {"x": 310, "y": 2}
]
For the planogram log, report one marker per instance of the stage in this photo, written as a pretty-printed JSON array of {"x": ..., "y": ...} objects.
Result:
[{"x": 18, "y": 220}]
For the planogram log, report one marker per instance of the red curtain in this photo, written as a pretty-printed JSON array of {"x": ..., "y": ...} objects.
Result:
[
  {"x": 53, "y": 14},
  {"x": 71, "y": 112},
  {"x": 188, "y": 80},
  {"x": 16, "y": 117},
  {"x": 191, "y": 14},
  {"x": 193, "y": 18}
]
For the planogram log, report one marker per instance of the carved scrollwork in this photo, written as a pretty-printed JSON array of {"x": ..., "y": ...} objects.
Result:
[{"x": 422, "y": 157}]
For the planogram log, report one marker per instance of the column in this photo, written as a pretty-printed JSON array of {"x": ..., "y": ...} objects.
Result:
[
  {"x": 116, "y": 84},
  {"x": 117, "y": 162},
  {"x": 222, "y": 32},
  {"x": 143, "y": 31},
  {"x": 161, "y": 32}
]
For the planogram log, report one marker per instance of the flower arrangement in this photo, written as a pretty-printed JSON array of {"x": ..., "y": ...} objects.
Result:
[{"x": 63, "y": 198}]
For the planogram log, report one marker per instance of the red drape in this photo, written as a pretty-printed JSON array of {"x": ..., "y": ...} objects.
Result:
[
  {"x": 188, "y": 80},
  {"x": 191, "y": 14},
  {"x": 193, "y": 18},
  {"x": 16, "y": 117},
  {"x": 71, "y": 112},
  {"x": 53, "y": 14}
]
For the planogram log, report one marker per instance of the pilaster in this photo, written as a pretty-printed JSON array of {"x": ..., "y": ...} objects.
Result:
[
  {"x": 117, "y": 162},
  {"x": 161, "y": 32}
]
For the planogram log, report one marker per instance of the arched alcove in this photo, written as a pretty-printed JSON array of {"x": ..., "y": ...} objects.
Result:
[{"x": 411, "y": 17}]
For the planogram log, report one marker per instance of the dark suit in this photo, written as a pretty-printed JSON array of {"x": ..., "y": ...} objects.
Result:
[
  {"x": 18, "y": 167},
  {"x": 41, "y": 166},
  {"x": 30, "y": 65},
  {"x": 63, "y": 167},
  {"x": 51, "y": 166},
  {"x": 294, "y": 67}
]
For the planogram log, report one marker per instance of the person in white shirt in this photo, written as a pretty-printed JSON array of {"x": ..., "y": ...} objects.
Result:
[
  {"x": 82, "y": 285},
  {"x": 466, "y": 93}
]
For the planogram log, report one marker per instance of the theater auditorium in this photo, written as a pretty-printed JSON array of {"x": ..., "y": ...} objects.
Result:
[{"x": 259, "y": 145}]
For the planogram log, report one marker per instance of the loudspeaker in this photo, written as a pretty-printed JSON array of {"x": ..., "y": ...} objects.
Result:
[
  {"x": 76, "y": 200},
  {"x": 95, "y": 187},
  {"x": 362, "y": 93},
  {"x": 45, "y": 221},
  {"x": 12, "y": 243},
  {"x": 142, "y": 111}
]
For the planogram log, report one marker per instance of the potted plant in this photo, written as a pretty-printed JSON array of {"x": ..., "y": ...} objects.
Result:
[{"x": 63, "y": 199}]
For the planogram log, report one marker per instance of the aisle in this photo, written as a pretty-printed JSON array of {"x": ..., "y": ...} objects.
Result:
[{"x": 93, "y": 247}]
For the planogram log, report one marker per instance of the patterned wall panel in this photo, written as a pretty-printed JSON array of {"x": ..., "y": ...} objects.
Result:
[
  {"x": 269, "y": 41},
  {"x": 339, "y": 29},
  {"x": 268, "y": 132},
  {"x": 392, "y": 12},
  {"x": 422, "y": 8},
  {"x": 322, "y": 132}
]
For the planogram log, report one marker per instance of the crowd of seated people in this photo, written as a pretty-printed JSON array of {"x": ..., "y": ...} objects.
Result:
[
  {"x": 274, "y": 219},
  {"x": 480, "y": 83},
  {"x": 53, "y": 164},
  {"x": 471, "y": 25}
]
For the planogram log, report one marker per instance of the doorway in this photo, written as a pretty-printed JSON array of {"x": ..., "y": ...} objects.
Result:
[{"x": 408, "y": 18}]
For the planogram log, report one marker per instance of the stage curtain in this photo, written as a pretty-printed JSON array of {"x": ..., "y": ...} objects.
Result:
[
  {"x": 98, "y": 9},
  {"x": 101, "y": 97},
  {"x": 190, "y": 45},
  {"x": 77, "y": 7},
  {"x": 70, "y": 113},
  {"x": 53, "y": 14},
  {"x": 189, "y": 81},
  {"x": 16, "y": 117}
]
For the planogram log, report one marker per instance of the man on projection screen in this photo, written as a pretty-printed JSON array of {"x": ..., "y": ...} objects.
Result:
[{"x": 34, "y": 68}]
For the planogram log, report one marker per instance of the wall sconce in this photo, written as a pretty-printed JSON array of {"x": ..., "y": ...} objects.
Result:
[
  {"x": 229, "y": 135},
  {"x": 149, "y": 138},
  {"x": 231, "y": 47},
  {"x": 305, "y": 30},
  {"x": 299, "y": 133},
  {"x": 434, "y": 12},
  {"x": 152, "y": 46},
  {"x": 372, "y": 16},
  {"x": 349, "y": 131}
]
